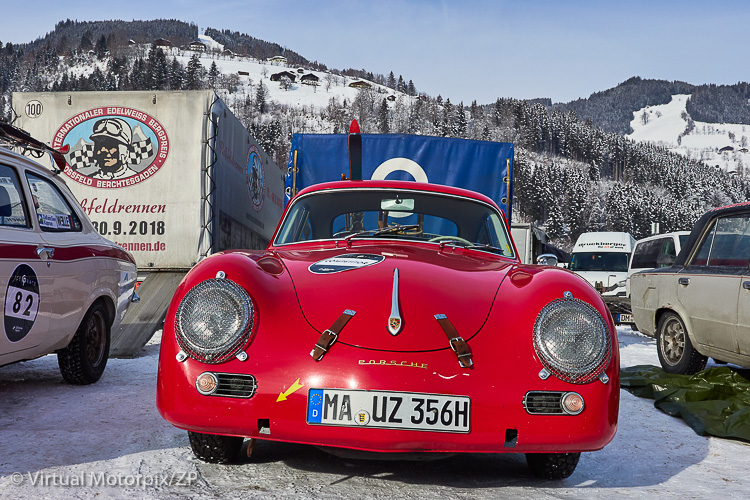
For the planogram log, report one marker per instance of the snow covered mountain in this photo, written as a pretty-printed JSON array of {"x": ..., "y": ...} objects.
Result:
[{"x": 722, "y": 145}]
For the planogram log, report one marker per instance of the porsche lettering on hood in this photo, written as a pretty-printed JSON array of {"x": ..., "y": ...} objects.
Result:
[{"x": 429, "y": 283}]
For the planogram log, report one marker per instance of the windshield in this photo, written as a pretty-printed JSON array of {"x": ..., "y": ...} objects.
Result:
[
  {"x": 395, "y": 214},
  {"x": 599, "y": 261}
]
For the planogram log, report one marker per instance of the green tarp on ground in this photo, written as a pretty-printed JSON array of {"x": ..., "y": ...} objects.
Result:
[{"x": 713, "y": 402}]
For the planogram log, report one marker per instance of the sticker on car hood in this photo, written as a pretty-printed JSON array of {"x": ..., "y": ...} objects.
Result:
[{"x": 345, "y": 262}]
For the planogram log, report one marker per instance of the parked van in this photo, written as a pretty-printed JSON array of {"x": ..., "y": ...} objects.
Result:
[
  {"x": 602, "y": 259},
  {"x": 655, "y": 251}
]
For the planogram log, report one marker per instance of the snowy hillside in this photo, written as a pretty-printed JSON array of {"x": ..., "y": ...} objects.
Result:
[
  {"x": 724, "y": 145},
  {"x": 251, "y": 72}
]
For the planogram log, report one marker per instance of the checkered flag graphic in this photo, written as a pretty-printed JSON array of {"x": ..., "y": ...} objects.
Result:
[
  {"x": 81, "y": 158},
  {"x": 140, "y": 151}
]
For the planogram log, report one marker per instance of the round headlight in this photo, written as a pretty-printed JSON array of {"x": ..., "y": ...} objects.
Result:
[
  {"x": 214, "y": 320},
  {"x": 572, "y": 340}
]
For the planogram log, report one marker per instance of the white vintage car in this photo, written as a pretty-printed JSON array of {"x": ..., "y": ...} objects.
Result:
[
  {"x": 63, "y": 286},
  {"x": 700, "y": 305}
]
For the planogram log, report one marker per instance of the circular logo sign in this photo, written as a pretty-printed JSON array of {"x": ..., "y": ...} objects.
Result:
[
  {"x": 33, "y": 109},
  {"x": 21, "y": 302},
  {"x": 345, "y": 262},
  {"x": 112, "y": 147},
  {"x": 256, "y": 182}
]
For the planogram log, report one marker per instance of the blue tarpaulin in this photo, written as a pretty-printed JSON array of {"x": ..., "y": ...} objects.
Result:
[{"x": 482, "y": 166}]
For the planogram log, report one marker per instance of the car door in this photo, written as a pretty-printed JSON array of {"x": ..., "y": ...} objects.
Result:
[
  {"x": 69, "y": 250},
  {"x": 709, "y": 285},
  {"x": 25, "y": 278}
]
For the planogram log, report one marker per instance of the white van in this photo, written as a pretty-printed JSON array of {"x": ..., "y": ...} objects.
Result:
[
  {"x": 656, "y": 251},
  {"x": 602, "y": 259}
]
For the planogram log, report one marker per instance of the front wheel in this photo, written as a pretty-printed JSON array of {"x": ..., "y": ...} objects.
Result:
[
  {"x": 214, "y": 448},
  {"x": 84, "y": 359},
  {"x": 552, "y": 465},
  {"x": 676, "y": 351}
]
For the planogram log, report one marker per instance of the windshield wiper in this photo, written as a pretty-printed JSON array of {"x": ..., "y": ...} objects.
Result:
[
  {"x": 384, "y": 230},
  {"x": 487, "y": 247}
]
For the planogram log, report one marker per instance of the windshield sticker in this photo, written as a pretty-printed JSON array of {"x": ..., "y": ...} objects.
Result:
[
  {"x": 345, "y": 262},
  {"x": 21, "y": 303}
]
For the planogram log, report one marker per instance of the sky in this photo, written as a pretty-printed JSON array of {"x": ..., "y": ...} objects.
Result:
[{"x": 464, "y": 50}]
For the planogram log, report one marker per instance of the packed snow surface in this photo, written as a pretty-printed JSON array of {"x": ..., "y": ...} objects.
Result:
[{"x": 108, "y": 440}]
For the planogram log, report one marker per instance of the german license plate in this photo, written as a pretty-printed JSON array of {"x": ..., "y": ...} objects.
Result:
[
  {"x": 389, "y": 410},
  {"x": 625, "y": 318}
]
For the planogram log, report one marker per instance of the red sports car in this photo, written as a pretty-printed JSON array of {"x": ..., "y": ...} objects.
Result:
[{"x": 390, "y": 316}]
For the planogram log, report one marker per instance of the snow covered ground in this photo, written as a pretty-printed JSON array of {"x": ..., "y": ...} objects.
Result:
[
  {"x": 666, "y": 124},
  {"x": 108, "y": 440}
]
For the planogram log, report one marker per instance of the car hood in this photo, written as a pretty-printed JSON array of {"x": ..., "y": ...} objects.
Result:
[{"x": 458, "y": 283}]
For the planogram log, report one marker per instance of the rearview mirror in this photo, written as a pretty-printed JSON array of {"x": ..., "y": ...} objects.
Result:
[{"x": 398, "y": 204}]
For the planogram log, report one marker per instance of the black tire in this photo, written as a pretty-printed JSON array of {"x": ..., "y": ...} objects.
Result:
[
  {"x": 213, "y": 448},
  {"x": 676, "y": 351},
  {"x": 84, "y": 359},
  {"x": 552, "y": 465}
]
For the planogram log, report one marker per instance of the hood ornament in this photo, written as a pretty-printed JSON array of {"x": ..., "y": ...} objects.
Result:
[{"x": 395, "y": 322}]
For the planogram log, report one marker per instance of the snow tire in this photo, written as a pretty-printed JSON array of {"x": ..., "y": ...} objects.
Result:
[
  {"x": 552, "y": 465},
  {"x": 214, "y": 448},
  {"x": 85, "y": 357}
]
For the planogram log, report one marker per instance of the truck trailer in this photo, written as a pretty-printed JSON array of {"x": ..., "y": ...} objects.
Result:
[{"x": 171, "y": 176}]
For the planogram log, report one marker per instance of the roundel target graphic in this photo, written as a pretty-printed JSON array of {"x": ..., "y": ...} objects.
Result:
[
  {"x": 21, "y": 303},
  {"x": 399, "y": 165}
]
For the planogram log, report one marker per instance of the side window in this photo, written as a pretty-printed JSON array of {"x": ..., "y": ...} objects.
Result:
[
  {"x": 646, "y": 253},
  {"x": 52, "y": 210},
  {"x": 732, "y": 242},
  {"x": 701, "y": 256},
  {"x": 12, "y": 201}
]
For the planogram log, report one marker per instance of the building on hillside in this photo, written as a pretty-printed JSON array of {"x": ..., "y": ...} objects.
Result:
[
  {"x": 276, "y": 77},
  {"x": 726, "y": 149},
  {"x": 360, "y": 84},
  {"x": 163, "y": 43},
  {"x": 243, "y": 73},
  {"x": 309, "y": 79},
  {"x": 197, "y": 46},
  {"x": 281, "y": 60}
]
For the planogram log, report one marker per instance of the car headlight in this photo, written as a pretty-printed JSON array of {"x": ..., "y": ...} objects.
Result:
[
  {"x": 214, "y": 320},
  {"x": 572, "y": 340}
]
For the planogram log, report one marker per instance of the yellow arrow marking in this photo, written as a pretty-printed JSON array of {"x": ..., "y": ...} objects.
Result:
[{"x": 295, "y": 387}]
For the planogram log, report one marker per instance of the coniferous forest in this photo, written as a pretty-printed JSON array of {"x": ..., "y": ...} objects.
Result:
[{"x": 574, "y": 171}]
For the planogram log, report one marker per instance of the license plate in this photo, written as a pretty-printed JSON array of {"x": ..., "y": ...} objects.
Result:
[
  {"x": 389, "y": 410},
  {"x": 625, "y": 318}
]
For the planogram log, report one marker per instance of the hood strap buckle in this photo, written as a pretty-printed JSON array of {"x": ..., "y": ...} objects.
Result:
[
  {"x": 329, "y": 337},
  {"x": 457, "y": 343}
]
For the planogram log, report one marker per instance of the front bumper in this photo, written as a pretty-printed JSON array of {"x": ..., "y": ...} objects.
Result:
[{"x": 499, "y": 422}]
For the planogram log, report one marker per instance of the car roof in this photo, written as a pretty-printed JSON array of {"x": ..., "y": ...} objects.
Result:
[
  {"x": 662, "y": 235},
  {"x": 410, "y": 185},
  {"x": 10, "y": 156}
]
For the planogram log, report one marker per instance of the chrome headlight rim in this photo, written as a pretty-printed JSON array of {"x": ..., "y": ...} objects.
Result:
[
  {"x": 231, "y": 294},
  {"x": 572, "y": 370}
]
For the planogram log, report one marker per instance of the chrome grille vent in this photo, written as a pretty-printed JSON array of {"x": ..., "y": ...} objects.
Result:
[
  {"x": 235, "y": 385},
  {"x": 544, "y": 402}
]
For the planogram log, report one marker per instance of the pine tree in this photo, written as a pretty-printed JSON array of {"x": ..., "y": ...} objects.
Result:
[
  {"x": 261, "y": 96},
  {"x": 383, "y": 125},
  {"x": 194, "y": 73},
  {"x": 213, "y": 76}
]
